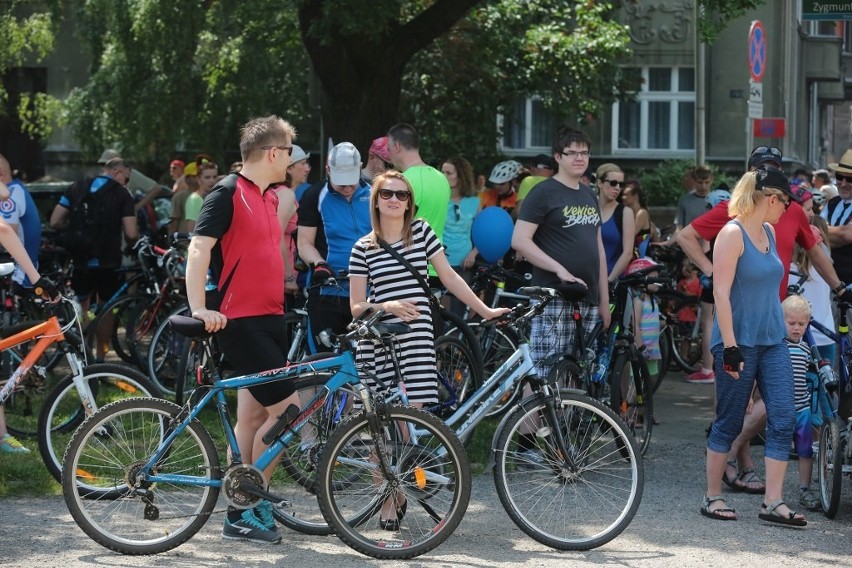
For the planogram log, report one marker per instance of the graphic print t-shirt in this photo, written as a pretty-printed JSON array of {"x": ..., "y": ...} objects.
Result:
[{"x": 568, "y": 221}]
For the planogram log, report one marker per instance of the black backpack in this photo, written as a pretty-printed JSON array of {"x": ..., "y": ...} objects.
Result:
[{"x": 84, "y": 235}]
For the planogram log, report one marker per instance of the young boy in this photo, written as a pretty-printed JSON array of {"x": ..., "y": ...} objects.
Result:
[{"x": 797, "y": 314}]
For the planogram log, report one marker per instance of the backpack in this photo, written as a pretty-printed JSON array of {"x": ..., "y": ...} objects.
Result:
[{"x": 84, "y": 235}]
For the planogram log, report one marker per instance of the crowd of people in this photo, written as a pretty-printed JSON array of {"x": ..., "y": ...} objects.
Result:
[{"x": 381, "y": 233}]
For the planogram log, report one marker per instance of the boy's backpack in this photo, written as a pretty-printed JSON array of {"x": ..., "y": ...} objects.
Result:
[{"x": 84, "y": 235}]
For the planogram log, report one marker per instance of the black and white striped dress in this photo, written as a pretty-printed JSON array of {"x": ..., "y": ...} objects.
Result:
[{"x": 387, "y": 280}]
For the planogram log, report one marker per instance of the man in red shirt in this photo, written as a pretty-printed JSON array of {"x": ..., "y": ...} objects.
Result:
[{"x": 792, "y": 228}]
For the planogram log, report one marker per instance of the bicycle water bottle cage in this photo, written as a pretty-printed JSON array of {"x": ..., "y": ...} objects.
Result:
[{"x": 281, "y": 425}]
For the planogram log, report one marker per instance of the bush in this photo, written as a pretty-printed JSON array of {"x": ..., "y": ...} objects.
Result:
[{"x": 665, "y": 184}]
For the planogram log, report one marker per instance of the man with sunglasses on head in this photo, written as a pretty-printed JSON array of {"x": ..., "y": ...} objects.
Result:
[
  {"x": 333, "y": 214},
  {"x": 838, "y": 213}
]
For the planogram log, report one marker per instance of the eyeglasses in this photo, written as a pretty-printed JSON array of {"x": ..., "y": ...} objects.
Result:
[
  {"x": 614, "y": 183},
  {"x": 784, "y": 200},
  {"x": 388, "y": 193},
  {"x": 288, "y": 149},
  {"x": 841, "y": 177},
  {"x": 571, "y": 154}
]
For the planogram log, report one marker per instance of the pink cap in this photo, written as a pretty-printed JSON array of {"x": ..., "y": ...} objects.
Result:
[{"x": 379, "y": 147}]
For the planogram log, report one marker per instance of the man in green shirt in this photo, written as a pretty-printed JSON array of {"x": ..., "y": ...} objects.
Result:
[
  {"x": 541, "y": 168},
  {"x": 431, "y": 188}
]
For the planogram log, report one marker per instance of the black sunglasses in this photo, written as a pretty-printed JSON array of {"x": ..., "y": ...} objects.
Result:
[
  {"x": 388, "y": 193},
  {"x": 288, "y": 149},
  {"x": 841, "y": 177},
  {"x": 614, "y": 183}
]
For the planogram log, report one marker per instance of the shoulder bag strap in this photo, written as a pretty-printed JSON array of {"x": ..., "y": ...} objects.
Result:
[{"x": 408, "y": 265}]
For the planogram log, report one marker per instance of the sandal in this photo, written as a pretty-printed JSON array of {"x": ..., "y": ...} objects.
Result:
[
  {"x": 717, "y": 513},
  {"x": 746, "y": 478},
  {"x": 770, "y": 514},
  {"x": 731, "y": 480}
]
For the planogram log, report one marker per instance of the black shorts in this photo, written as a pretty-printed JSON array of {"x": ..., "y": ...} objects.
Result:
[
  {"x": 103, "y": 281},
  {"x": 256, "y": 344},
  {"x": 707, "y": 296}
]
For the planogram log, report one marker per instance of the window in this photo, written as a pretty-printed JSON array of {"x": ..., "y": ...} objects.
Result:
[
  {"x": 527, "y": 126},
  {"x": 662, "y": 116}
]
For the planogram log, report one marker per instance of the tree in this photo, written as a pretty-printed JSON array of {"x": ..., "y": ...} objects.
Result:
[
  {"x": 28, "y": 37},
  {"x": 715, "y": 15}
]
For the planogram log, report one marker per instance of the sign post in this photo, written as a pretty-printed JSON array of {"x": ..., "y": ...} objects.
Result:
[{"x": 757, "y": 68}]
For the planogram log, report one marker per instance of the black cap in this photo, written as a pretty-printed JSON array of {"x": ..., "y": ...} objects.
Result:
[
  {"x": 544, "y": 161},
  {"x": 770, "y": 176},
  {"x": 763, "y": 154}
]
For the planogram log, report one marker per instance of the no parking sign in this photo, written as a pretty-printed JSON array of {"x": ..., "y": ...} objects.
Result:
[{"x": 756, "y": 51}]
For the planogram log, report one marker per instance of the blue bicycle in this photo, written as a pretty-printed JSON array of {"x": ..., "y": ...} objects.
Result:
[{"x": 144, "y": 477}]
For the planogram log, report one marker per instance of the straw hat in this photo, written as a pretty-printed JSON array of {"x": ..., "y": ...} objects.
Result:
[{"x": 844, "y": 166}]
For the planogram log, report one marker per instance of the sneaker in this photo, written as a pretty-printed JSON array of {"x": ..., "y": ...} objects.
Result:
[
  {"x": 249, "y": 527},
  {"x": 809, "y": 500},
  {"x": 701, "y": 377},
  {"x": 263, "y": 511},
  {"x": 10, "y": 445},
  {"x": 530, "y": 460}
]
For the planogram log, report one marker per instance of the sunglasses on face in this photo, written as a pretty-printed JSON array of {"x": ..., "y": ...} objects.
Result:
[
  {"x": 614, "y": 183},
  {"x": 841, "y": 178},
  {"x": 783, "y": 199},
  {"x": 288, "y": 149},
  {"x": 388, "y": 193}
]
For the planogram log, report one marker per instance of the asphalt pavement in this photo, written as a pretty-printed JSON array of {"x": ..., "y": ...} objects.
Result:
[{"x": 667, "y": 531}]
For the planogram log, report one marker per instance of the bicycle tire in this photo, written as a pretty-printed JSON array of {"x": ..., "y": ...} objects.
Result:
[
  {"x": 433, "y": 479},
  {"x": 164, "y": 357},
  {"x": 830, "y": 459},
  {"x": 295, "y": 477},
  {"x": 686, "y": 350},
  {"x": 456, "y": 366},
  {"x": 630, "y": 396},
  {"x": 568, "y": 375},
  {"x": 462, "y": 328},
  {"x": 107, "y": 450},
  {"x": 587, "y": 505},
  {"x": 63, "y": 410},
  {"x": 121, "y": 310},
  {"x": 143, "y": 321}
]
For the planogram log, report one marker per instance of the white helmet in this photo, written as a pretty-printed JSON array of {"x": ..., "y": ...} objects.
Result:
[
  {"x": 717, "y": 196},
  {"x": 504, "y": 171}
]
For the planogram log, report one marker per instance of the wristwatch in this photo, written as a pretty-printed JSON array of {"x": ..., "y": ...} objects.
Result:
[{"x": 840, "y": 288}]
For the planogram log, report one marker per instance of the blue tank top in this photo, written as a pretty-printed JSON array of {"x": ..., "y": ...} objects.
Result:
[
  {"x": 755, "y": 306},
  {"x": 611, "y": 237}
]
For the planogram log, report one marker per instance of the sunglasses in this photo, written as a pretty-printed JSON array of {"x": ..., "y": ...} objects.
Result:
[
  {"x": 614, "y": 183},
  {"x": 764, "y": 149},
  {"x": 388, "y": 193},
  {"x": 841, "y": 177},
  {"x": 782, "y": 199},
  {"x": 288, "y": 149}
]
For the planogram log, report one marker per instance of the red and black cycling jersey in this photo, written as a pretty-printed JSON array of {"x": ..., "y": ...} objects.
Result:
[{"x": 246, "y": 259}]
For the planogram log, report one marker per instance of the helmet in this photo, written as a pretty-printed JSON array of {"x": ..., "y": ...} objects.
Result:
[
  {"x": 819, "y": 197},
  {"x": 640, "y": 264},
  {"x": 716, "y": 197},
  {"x": 504, "y": 171}
]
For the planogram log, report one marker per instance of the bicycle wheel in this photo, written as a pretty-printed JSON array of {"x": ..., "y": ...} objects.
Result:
[
  {"x": 686, "y": 349},
  {"x": 428, "y": 479},
  {"x": 630, "y": 396},
  {"x": 63, "y": 409},
  {"x": 457, "y": 378},
  {"x": 120, "y": 310},
  {"x": 832, "y": 454},
  {"x": 164, "y": 357},
  {"x": 454, "y": 324},
  {"x": 567, "y": 374},
  {"x": 296, "y": 476},
  {"x": 141, "y": 324},
  {"x": 108, "y": 452},
  {"x": 574, "y": 501}
]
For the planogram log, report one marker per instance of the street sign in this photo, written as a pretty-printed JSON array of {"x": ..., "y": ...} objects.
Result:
[
  {"x": 819, "y": 10},
  {"x": 755, "y": 110},
  {"x": 755, "y": 91},
  {"x": 770, "y": 127},
  {"x": 756, "y": 51}
]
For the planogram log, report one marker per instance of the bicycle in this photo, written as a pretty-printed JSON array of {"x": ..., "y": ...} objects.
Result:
[
  {"x": 153, "y": 460},
  {"x": 555, "y": 447},
  {"x": 79, "y": 394},
  {"x": 615, "y": 371}
]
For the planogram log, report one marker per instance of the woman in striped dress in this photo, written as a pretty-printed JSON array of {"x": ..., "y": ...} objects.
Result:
[{"x": 380, "y": 281}]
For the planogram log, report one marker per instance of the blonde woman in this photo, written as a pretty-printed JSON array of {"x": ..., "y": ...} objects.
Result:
[
  {"x": 748, "y": 341},
  {"x": 617, "y": 221}
]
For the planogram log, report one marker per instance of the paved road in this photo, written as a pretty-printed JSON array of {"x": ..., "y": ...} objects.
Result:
[{"x": 666, "y": 532}]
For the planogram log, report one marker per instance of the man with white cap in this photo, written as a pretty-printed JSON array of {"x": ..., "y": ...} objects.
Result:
[
  {"x": 838, "y": 213},
  {"x": 333, "y": 215}
]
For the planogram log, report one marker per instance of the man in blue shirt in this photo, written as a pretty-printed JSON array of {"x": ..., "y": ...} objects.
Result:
[
  {"x": 333, "y": 214},
  {"x": 22, "y": 215}
]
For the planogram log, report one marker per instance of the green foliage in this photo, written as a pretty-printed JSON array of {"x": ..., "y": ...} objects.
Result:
[
  {"x": 664, "y": 184},
  {"x": 566, "y": 53},
  {"x": 715, "y": 15},
  {"x": 28, "y": 37}
]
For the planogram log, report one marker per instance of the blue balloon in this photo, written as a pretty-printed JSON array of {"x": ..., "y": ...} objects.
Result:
[{"x": 492, "y": 233}]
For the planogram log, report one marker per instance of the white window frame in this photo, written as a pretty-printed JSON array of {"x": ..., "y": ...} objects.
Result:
[
  {"x": 643, "y": 97},
  {"x": 528, "y": 148}
]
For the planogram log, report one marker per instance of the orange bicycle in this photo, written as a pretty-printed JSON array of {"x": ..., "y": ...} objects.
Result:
[{"x": 55, "y": 411}]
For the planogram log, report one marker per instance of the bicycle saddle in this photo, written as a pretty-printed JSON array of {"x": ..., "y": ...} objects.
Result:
[
  {"x": 188, "y": 326},
  {"x": 572, "y": 291}
]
